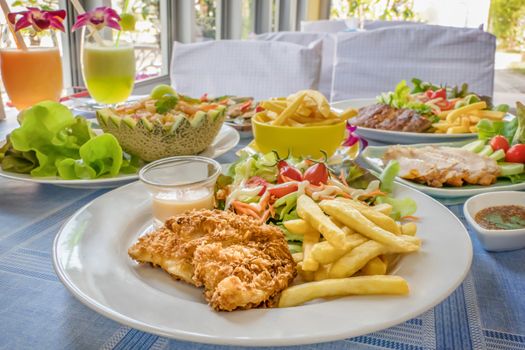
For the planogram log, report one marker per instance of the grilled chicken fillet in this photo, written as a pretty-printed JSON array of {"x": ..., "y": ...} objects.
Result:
[
  {"x": 240, "y": 263},
  {"x": 436, "y": 166}
]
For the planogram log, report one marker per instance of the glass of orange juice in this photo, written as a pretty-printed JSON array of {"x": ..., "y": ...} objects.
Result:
[
  {"x": 33, "y": 75},
  {"x": 179, "y": 184}
]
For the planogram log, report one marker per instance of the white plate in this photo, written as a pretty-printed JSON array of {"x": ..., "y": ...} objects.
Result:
[
  {"x": 396, "y": 137},
  {"x": 226, "y": 139},
  {"x": 90, "y": 258},
  {"x": 372, "y": 156}
]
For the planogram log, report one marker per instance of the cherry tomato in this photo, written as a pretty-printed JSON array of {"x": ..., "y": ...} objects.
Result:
[
  {"x": 204, "y": 98},
  {"x": 288, "y": 172},
  {"x": 429, "y": 94},
  {"x": 499, "y": 142},
  {"x": 255, "y": 181},
  {"x": 259, "y": 109},
  {"x": 516, "y": 154},
  {"x": 284, "y": 189},
  {"x": 317, "y": 174},
  {"x": 439, "y": 93}
]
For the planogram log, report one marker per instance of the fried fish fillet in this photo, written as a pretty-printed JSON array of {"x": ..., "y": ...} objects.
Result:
[{"x": 240, "y": 263}]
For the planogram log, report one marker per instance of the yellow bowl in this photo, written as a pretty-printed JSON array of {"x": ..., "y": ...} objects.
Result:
[{"x": 299, "y": 141}]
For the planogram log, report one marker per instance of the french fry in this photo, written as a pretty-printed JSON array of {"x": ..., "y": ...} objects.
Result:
[
  {"x": 456, "y": 113},
  {"x": 298, "y": 226},
  {"x": 310, "y": 211},
  {"x": 390, "y": 260},
  {"x": 384, "y": 208},
  {"x": 302, "y": 293},
  {"x": 489, "y": 114},
  {"x": 473, "y": 129},
  {"x": 273, "y": 106},
  {"x": 307, "y": 276},
  {"x": 352, "y": 218},
  {"x": 378, "y": 218},
  {"x": 409, "y": 229},
  {"x": 309, "y": 240},
  {"x": 322, "y": 273},
  {"x": 326, "y": 253},
  {"x": 356, "y": 259},
  {"x": 290, "y": 110},
  {"x": 457, "y": 130},
  {"x": 349, "y": 113},
  {"x": 465, "y": 122},
  {"x": 473, "y": 119},
  {"x": 376, "y": 266},
  {"x": 444, "y": 114}
]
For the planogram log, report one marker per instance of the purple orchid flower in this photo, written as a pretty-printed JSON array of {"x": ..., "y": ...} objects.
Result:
[
  {"x": 353, "y": 138},
  {"x": 38, "y": 19},
  {"x": 99, "y": 18}
]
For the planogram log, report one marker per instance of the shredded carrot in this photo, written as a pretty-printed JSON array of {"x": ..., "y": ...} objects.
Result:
[
  {"x": 346, "y": 195},
  {"x": 243, "y": 208},
  {"x": 272, "y": 210},
  {"x": 342, "y": 177},
  {"x": 410, "y": 218},
  {"x": 265, "y": 216},
  {"x": 374, "y": 194}
]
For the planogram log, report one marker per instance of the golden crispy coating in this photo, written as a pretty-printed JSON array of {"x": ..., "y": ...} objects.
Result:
[{"x": 240, "y": 263}]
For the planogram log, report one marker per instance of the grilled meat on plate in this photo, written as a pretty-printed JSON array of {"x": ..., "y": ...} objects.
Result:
[
  {"x": 384, "y": 117},
  {"x": 437, "y": 166}
]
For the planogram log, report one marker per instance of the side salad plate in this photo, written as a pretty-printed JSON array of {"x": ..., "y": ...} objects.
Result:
[
  {"x": 226, "y": 139},
  {"x": 90, "y": 257}
]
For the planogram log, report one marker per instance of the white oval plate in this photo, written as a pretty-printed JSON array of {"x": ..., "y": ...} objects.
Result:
[
  {"x": 90, "y": 258},
  {"x": 226, "y": 139},
  {"x": 372, "y": 156},
  {"x": 396, "y": 137}
]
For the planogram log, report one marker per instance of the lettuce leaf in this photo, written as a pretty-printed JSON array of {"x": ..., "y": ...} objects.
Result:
[
  {"x": 519, "y": 135},
  {"x": 388, "y": 175},
  {"x": 101, "y": 155},
  {"x": 17, "y": 161},
  {"x": 487, "y": 129},
  {"x": 401, "y": 98},
  {"x": 400, "y": 206}
]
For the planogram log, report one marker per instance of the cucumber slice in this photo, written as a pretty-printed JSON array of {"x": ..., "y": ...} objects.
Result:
[
  {"x": 507, "y": 169},
  {"x": 475, "y": 146},
  {"x": 486, "y": 151},
  {"x": 498, "y": 155}
]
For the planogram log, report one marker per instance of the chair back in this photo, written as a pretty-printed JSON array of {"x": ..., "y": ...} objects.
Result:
[
  {"x": 259, "y": 69},
  {"x": 371, "y": 62}
]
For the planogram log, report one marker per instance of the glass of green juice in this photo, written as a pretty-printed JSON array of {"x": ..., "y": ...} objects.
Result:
[{"x": 108, "y": 67}]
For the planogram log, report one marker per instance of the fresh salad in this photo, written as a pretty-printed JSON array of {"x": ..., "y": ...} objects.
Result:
[
  {"x": 431, "y": 100},
  {"x": 503, "y": 141},
  {"x": 52, "y": 142},
  {"x": 239, "y": 110},
  {"x": 267, "y": 188}
]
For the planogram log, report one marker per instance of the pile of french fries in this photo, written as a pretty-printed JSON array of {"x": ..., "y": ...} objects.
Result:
[
  {"x": 464, "y": 119},
  {"x": 304, "y": 108},
  {"x": 348, "y": 248}
]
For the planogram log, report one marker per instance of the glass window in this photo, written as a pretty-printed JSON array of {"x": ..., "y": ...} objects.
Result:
[
  {"x": 205, "y": 20},
  {"x": 248, "y": 18}
]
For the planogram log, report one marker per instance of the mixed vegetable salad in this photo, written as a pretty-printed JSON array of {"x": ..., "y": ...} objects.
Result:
[
  {"x": 430, "y": 100},
  {"x": 267, "y": 187},
  {"x": 503, "y": 141}
]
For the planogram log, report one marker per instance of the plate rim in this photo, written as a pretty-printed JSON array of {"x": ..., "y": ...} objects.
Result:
[
  {"x": 243, "y": 341},
  {"x": 121, "y": 178}
]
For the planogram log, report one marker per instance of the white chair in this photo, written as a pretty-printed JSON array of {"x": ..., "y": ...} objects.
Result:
[
  {"x": 377, "y": 24},
  {"x": 324, "y": 26},
  {"x": 370, "y": 62},
  {"x": 307, "y": 39},
  {"x": 245, "y": 68}
]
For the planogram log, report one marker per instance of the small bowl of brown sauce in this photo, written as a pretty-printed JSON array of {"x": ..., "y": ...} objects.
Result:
[{"x": 498, "y": 218}]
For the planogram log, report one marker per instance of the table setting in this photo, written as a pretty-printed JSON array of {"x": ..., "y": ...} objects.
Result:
[{"x": 209, "y": 215}]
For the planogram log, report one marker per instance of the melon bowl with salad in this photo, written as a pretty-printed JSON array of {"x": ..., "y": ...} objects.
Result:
[{"x": 163, "y": 124}]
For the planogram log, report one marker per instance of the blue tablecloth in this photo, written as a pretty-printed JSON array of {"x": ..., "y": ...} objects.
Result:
[{"x": 37, "y": 312}]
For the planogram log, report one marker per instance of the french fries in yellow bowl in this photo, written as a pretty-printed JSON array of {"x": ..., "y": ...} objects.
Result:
[{"x": 301, "y": 124}]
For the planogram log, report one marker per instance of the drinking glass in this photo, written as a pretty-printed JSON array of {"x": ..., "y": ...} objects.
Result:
[
  {"x": 179, "y": 184},
  {"x": 108, "y": 65},
  {"x": 33, "y": 75}
]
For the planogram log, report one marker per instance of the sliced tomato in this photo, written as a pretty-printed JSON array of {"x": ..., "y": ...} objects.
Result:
[
  {"x": 317, "y": 174},
  {"x": 288, "y": 172},
  {"x": 255, "y": 181},
  {"x": 499, "y": 142},
  {"x": 204, "y": 97},
  {"x": 516, "y": 154},
  {"x": 284, "y": 189},
  {"x": 259, "y": 109},
  {"x": 439, "y": 93},
  {"x": 445, "y": 105}
]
